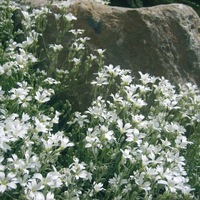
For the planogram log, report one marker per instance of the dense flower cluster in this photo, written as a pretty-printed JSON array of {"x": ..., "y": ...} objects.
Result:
[
  {"x": 134, "y": 141},
  {"x": 141, "y": 127}
]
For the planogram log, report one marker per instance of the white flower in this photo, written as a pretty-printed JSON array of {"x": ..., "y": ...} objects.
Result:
[
  {"x": 126, "y": 79},
  {"x": 117, "y": 180},
  {"x": 53, "y": 179},
  {"x": 98, "y": 187},
  {"x": 69, "y": 17},
  {"x": 23, "y": 58},
  {"x": 151, "y": 172},
  {"x": 117, "y": 98},
  {"x": 174, "y": 127},
  {"x": 92, "y": 57},
  {"x": 50, "y": 196},
  {"x": 101, "y": 79},
  {"x": 57, "y": 16},
  {"x": 143, "y": 89},
  {"x": 8, "y": 181},
  {"x": 140, "y": 181},
  {"x": 51, "y": 81},
  {"x": 170, "y": 104},
  {"x": 8, "y": 67},
  {"x": 56, "y": 47},
  {"x": 92, "y": 139},
  {"x": 135, "y": 136},
  {"x": 4, "y": 139},
  {"x": 83, "y": 40},
  {"x": 1, "y": 93},
  {"x": 26, "y": 18},
  {"x": 18, "y": 93},
  {"x": 2, "y": 70},
  {"x": 43, "y": 95},
  {"x": 76, "y": 61},
  {"x": 100, "y": 51},
  {"x": 98, "y": 110},
  {"x": 113, "y": 71},
  {"x": 137, "y": 119},
  {"x": 30, "y": 39},
  {"x": 17, "y": 164},
  {"x": 109, "y": 135},
  {"x": 40, "y": 126},
  {"x": 33, "y": 186},
  {"x": 77, "y": 32},
  {"x": 56, "y": 138},
  {"x": 181, "y": 142},
  {"x": 55, "y": 119},
  {"x": 146, "y": 78},
  {"x": 62, "y": 72},
  {"x": 33, "y": 195},
  {"x": 80, "y": 119},
  {"x": 79, "y": 169},
  {"x": 145, "y": 160},
  {"x": 66, "y": 143},
  {"x": 165, "y": 143},
  {"x": 47, "y": 145},
  {"x": 32, "y": 161},
  {"x": 38, "y": 12},
  {"x": 124, "y": 128},
  {"x": 2, "y": 167},
  {"x": 139, "y": 103},
  {"x": 126, "y": 153},
  {"x": 77, "y": 47},
  {"x": 18, "y": 129}
]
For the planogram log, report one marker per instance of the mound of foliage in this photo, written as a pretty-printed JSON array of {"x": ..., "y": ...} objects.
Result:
[{"x": 138, "y": 139}]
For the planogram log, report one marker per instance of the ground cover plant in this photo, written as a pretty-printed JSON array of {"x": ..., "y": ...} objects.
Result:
[{"x": 138, "y": 139}]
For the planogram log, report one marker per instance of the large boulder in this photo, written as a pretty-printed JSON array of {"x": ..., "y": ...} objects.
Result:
[{"x": 162, "y": 40}]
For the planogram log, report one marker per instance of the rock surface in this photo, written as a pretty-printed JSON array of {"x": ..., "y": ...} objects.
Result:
[{"x": 162, "y": 40}]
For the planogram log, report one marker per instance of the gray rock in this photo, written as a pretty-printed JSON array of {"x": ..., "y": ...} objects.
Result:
[{"x": 162, "y": 40}]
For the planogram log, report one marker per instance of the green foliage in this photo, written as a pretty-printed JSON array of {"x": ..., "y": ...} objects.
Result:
[
  {"x": 135, "y": 3},
  {"x": 193, "y": 160},
  {"x": 146, "y": 3},
  {"x": 141, "y": 3}
]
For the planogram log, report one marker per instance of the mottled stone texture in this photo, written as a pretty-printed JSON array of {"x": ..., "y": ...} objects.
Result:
[{"x": 162, "y": 40}]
